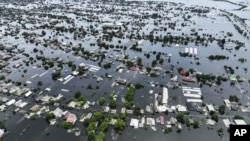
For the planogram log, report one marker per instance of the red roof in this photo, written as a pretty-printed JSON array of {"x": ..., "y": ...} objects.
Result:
[
  {"x": 134, "y": 68},
  {"x": 71, "y": 118},
  {"x": 189, "y": 79},
  {"x": 102, "y": 43},
  {"x": 162, "y": 119},
  {"x": 183, "y": 72},
  {"x": 2, "y": 57}
]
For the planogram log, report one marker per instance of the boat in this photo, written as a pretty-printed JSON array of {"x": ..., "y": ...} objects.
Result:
[{"x": 188, "y": 79}]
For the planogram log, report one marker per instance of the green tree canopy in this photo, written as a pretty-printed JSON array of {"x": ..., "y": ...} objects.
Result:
[
  {"x": 119, "y": 125},
  {"x": 180, "y": 117},
  {"x": 101, "y": 100}
]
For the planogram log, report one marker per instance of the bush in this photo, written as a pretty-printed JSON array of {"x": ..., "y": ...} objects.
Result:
[
  {"x": 167, "y": 130},
  {"x": 233, "y": 98},
  {"x": 188, "y": 122},
  {"x": 215, "y": 117},
  {"x": 2, "y": 77},
  {"x": 66, "y": 125},
  {"x": 119, "y": 125},
  {"x": 196, "y": 124},
  {"x": 222, "y": 109},
  {"x": 33, "y": 117},
  {"x": 180, "y": 117},
  {"x": 56, "y": 75},
  {"x": 139, "y": 85},
  {"x": 112, "y": 104},
  {"x": 49, "y": 116},
  {"x": 238, "y": 117},
  {"x": 77, "y": 94},
  {"x": 101, "y": 100}
]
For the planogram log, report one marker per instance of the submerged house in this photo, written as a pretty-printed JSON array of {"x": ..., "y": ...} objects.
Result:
[{"x": 71, "y": 118}]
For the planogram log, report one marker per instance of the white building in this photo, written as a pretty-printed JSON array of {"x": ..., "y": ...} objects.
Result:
[
  {"x": 165, "y": 96},
  {"x": 11, "y": 102},
  {"x": 134, "y": 123},
  {"x": 28, "y": 94},
  {"x": 240, "y": 122},
  {"x": 58, "y": 112},
  {"x": 210, "y": 108}
]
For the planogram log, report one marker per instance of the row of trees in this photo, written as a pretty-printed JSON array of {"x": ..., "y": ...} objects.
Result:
[
  {"x": 129, "y": 97},
  {"x": 99, "y": 124},
  {"x": 181, "y": 118},
  {"x": 217, "y": 57}
]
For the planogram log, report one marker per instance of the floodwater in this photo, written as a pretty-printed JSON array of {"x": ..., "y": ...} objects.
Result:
[{"x": 39, "y": 130}]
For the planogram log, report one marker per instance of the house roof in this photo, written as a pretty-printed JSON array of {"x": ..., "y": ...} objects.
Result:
[
  {"x": 133, "y": 68},
  {"x": 58, "y": 112},
  {"x": 191, "y": 106},
  {"x": 240, "y": 122},
  {"x": 183, "y": 72},
  {"x": 233, "y": 77},
  {"x": 71, "y": 118},
  {"x": 1, "y": 132},
  {"x": 134, "y": 122}
]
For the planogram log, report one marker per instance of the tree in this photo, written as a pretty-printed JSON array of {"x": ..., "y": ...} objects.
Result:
[
  {"x": 101, "y": 100},
  {"x": 91, "y": 131},
  {"x": 2, "y": 125},
  {"x": 33, "y": 117},
  {"x": 112, "y": 104},
  {"x": 188, "y": 122},
  {"x": 119, "y": 125},
  {"x": 70, "y": 63},
  {"x": 81, "y": 98},
  {"x": 39, "y": 83},
  {"x": 100, "y": 136},
  {"x": 128, "y": 104},
  {"x": 66, "y": 125},
  {"x": 104, "y": 125},
  {"x": 154, "y": 62},
  {"x": 148, "y": 69},
  {"x": 139, "y": 85},
  {"x": 78, "y": 94},
  {"x": 43, "y": 33},
  {"x": 35, "y": 50},
  {"x": 238, "y": 117},
  {"x": 139, "y": 61},
  {"x": 49, "y": 116},
  {"x": 111, "y": 96},
  {"x": 56, "y": 75},
  {"x": 220, "y": 131},
  {"x": 89, "y": 86},
  {"x": 130, "y": 63},
  {"x": 196, "y": 124},
  {"x": 137, "y": 110},
  {"x": 215, "y": 117},
  {"x": 130, "y": 94},
  {"x": 161, "y": 61},
  {"x": 97, "y": 116},
  {"x": 124, "y": 116},
  {"x": 51, "y": 64},
  {"x": 167, "y": 130},
  {"x": 180, "y": 117},
  {"x": 2, "y": 77},
  {"x": 222, "y": 109},
  {"x": 233, "y": 98}
]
